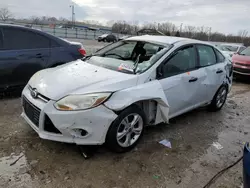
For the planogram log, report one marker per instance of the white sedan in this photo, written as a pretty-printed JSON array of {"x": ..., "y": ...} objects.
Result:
[
  {"x": 110, "y": 96},
  {"x": 230, "y": 49}
]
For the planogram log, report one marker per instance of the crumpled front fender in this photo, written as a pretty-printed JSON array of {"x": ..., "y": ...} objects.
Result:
[{"x": 148, "y": 91}]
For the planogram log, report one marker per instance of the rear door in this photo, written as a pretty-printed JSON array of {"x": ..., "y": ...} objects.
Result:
[
  {"x": 182, "y": 81},
  {"x": 212, "y": 62},
  {"x": 24, "y": 52}
]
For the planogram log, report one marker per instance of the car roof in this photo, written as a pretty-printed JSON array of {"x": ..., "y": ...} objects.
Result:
[
  {"x": 162, "y": 39},
  {"x": 60, "y": 41}
]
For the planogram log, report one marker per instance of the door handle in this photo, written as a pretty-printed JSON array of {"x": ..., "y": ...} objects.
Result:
[
  {"x": 193, "y": 79},
  {"x": 39, "y": 56},
  {"x": 21, "y": 56},
  {"x": 219, "y": 71}
]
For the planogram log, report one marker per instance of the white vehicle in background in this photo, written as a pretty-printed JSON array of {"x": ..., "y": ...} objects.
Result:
[
  {"x": 230, "y": 49},
  {"x": 110, "y": 96}
]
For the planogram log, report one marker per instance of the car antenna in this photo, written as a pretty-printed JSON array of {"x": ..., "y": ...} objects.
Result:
[{"x": 136, "y": 63}]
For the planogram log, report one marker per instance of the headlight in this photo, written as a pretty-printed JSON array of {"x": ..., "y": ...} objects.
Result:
[{"x": 81, "y": 102}]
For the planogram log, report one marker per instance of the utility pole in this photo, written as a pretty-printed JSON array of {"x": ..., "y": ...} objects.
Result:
[
  {"x": 73, "y": 14},
  {"x": 181, "y": 27},
  {"x": 209, "y": 33}
]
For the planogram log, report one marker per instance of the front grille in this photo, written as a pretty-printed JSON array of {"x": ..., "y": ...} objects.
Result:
[
  {"x": 242, "y": 70},
  {"x": 31, "y": 111},
  {"x": 241, "y": 64},
  {"x": 49, "y": 126}
]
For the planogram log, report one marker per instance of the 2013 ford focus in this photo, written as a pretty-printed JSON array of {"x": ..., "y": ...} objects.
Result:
[{"x": 110, "y": 96}]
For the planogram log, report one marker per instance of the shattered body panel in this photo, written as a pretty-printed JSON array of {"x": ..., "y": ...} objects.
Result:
[{"x": 148, "y": 91}]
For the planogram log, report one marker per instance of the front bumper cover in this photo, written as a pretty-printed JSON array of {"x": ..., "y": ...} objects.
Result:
[{"x": 95, "y": 122}]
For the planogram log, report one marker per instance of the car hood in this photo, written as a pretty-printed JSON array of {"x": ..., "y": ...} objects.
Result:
[
  {"x": 241, "y": 59},
  {"x": 80, "y": 77}
]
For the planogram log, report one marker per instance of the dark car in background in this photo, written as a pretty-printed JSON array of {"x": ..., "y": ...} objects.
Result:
[
  {"x": 107, "y": 38},
  {"x": 24, "y": 51},
  {"x": 241, "y": 62}
]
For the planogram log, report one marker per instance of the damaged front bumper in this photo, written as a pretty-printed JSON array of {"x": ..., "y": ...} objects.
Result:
[{"x": 85, "y": 127}]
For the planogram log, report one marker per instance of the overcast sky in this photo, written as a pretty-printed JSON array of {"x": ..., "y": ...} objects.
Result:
[{"x": 227, "y": 16}]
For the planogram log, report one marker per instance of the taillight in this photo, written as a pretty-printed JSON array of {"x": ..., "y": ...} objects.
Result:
[{"x": 82, "y": 51}]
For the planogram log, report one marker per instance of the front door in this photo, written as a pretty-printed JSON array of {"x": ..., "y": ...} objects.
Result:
[{"x": 182, "y": 81}]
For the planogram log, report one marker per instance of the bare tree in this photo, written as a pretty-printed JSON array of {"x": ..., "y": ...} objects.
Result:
[
  {"x": 5, "y": 14},
  {"x": 190, "y": 31},
  {"x": 242, "y": 34},
  {"x": 35, "y": 20}
]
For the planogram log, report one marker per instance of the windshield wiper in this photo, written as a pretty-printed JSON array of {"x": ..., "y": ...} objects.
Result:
[{"x": 88, "y": 57}]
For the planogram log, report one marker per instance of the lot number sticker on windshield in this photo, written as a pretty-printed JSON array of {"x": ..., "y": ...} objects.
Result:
[{"x": 126, "y": 67}]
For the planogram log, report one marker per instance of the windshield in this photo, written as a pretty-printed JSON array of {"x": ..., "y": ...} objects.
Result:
[
  {"x": 223, "y": 48},
  {"x": 229, "y": 48},
  {"x": 130, "y": 56},
  {"x": 245, "y": 52}
]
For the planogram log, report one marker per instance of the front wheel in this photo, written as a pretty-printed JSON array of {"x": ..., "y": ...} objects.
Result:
[
  {"x": 219, "y": 99},
  {"x": 126, "y": 130}
]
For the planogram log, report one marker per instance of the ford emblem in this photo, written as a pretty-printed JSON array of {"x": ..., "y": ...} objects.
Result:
[{"x": 34, "y": 93}]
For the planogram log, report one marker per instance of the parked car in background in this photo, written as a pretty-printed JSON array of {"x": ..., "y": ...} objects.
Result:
[
  {"x": 241, "y": 62},
  {"x": 112, "y": 95},
  {"x": 24, "y": 51},
  {"x": 229, "y": 49},
  {"x": 107, "y": 38}
]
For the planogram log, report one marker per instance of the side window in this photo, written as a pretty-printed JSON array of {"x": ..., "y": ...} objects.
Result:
[
  {"x": 184, "y": 60},
  {"x": 16, "y": 39},
  {"x": 53, "y": 44},
  {"x": 206, "y": 55},
  {"x": 220, "y": 57}
]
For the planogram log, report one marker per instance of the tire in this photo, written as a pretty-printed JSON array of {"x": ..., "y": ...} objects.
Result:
[
  {"x": 221, "y": 95},
  {"x": 129, "y": 133}
]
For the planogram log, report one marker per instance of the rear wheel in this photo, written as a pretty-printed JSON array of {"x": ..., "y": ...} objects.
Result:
[
  {"x": 126, "y": 130},
  {"x": 219, "y": 99}
]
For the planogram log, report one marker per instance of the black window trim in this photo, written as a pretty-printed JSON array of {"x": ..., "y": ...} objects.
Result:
[
  {"x": 26, "y": 30},
  {"x": 217, "y": 58},
  {"x": 165, "y": 61}
]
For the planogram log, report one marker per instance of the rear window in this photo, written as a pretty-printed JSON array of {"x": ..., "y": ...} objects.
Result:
[{"x": 17, "y": 39}]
